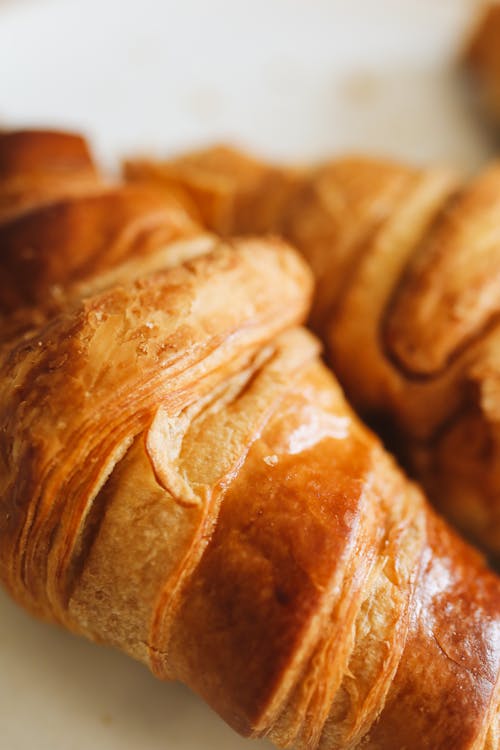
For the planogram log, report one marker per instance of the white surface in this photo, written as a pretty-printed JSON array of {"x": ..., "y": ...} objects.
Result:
[{"x": 291, "y": 78}]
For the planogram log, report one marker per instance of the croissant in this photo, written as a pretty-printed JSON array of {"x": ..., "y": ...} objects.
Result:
[
  {"x": 181, "y": 477},
  {"x": 407, "y": 265}
]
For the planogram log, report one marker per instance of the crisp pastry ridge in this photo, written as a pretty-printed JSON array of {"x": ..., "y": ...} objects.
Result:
[{"x": 182, "y": 478}]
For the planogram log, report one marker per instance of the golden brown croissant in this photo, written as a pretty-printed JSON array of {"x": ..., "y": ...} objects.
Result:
[
  {"x": 181, "y": 478},
  {"x": 407, "y": 265}
]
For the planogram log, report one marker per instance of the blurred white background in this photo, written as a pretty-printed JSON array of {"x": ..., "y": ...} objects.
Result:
[
  {"x": 296, "y": 79},
  {"x": 292, "y": 78}
]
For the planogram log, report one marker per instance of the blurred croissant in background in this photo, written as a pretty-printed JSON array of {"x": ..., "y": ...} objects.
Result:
[{"x": 481, "y": 60}]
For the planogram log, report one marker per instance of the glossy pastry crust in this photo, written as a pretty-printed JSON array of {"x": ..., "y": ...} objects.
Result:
[
  {"x": 181, "y": 477},
  {"x": 406, "y": 263}
]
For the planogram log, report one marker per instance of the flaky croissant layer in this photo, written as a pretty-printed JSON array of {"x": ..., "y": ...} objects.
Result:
[
  {"x": 407, "y": 264},
  {"x": 181, "y": 477}
]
